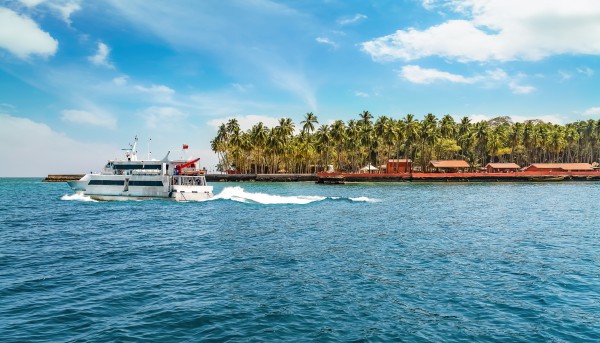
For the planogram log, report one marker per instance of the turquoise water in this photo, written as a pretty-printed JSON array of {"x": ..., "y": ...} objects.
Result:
[{"x": 303, "y": 262}]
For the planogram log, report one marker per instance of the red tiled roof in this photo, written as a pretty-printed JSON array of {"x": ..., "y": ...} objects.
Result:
[
  {"x": 449, "y": 164},
  {"x": 400, "y": 160},
  {"x": 503, "y": 165},
  {"x": 564, "y": 166}
]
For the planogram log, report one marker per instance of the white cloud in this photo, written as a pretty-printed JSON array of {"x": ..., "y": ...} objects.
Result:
[
  {"x": 497, "y": 74},
  {"x": 121, "y": 80},
  {"x": 495, "y": 77},
  {"x": 520, "y": 89},
  {"x": 62, "y": 7},
  {"x": 101, "y": 56},
  {"x": 246, "y": 122},
  {"x": 165, "y": 117},
  {"x": 361, "y": 94},
  {"x": 66, "y": 9},
  {"x": 352, "y": 20},
  {"x": 160, "y": 93},
  {"x": 22, "y": 139},
  {"x": 23, "y": 37},
  {"x": 416, "y": 74},
  {"x": 157, "y": 89},
  {"x": 324, "y": 40},
  {"x": 88, "y": 118},
  {"x": 593, "y": 111},
  {"x": 586, "y": 71},
  {"x": 31, "y": 3},
  {"x": 499, "y": 30}
]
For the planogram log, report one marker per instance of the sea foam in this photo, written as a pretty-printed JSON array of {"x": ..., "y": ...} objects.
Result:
[
  {"x": 239, "y": 194},
  {"x": 77, "y": 197}
]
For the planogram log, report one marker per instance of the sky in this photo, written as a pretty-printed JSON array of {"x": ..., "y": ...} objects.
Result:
[{"x": 80, "y": 79}]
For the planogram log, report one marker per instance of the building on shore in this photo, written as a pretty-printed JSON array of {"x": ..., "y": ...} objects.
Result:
[
  {"x": 398, "y": 166},
  {"x": 502, "y": 167},
  {"x": 448, "y": 166},
  {"x": 559, "y": 167},
  {"x": 368, "y": 169}
]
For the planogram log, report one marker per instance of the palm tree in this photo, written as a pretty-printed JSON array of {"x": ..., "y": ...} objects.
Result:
[
  {"x": 352, "y": 143},
  {"x": 411, "y": 135},
  {"x": 366, "y": 128},
  {"x": 308, "y": 124},
  {"x": 448, "y": 127},
  {"x": 323, "y": 142},
  {"x": 307, "y": 128},
  {"x": 514, "y": 136},
  {"x": 338, "y": 135},
  {"x": 285, "y": 129},
  {"x": 429, "y": 135},
  {"x": 258, "y": 136},
  {"x": 482, "y": 134}
]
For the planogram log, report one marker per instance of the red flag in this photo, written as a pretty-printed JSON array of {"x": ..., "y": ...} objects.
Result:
[{"x": 185, "y": 146}]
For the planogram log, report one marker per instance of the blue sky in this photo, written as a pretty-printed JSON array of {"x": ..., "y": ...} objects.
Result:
[{"x": 79, "y": 79}]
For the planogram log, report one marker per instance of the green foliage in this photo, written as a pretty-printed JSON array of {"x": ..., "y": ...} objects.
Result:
[{"x": 350, "y": 145}]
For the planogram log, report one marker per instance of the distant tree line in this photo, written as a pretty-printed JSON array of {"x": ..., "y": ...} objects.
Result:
[{"x": 348, "y": 146}]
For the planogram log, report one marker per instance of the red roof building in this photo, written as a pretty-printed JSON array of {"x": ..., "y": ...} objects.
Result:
[
  {"x": 502, "y": 167},
  {"x": 398, "y": 166},
  {"x": 559, "y": 167},
  {"x": 449, "y": 166}
]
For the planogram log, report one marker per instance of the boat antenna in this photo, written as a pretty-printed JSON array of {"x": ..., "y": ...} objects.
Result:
[
  {"x": 133, "y": 151},
  {"x": 149, "y": 152}
]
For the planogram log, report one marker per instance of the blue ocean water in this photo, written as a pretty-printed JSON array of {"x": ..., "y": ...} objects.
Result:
[{"x": 303, "y": 262}]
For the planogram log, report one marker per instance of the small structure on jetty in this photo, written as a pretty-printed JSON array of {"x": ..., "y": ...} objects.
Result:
[
  {"x": 502, "y": 167},
  {"x": 449, "y": 166},
  {"x": 369, "y": 169}
]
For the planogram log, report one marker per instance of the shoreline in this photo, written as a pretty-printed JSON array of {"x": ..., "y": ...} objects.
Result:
[{"x": 404, "y": 177}]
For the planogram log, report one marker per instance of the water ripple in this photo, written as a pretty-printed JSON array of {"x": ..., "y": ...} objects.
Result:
[{"x": 443, "y": 262}]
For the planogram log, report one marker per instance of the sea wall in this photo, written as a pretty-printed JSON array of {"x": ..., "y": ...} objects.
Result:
[
  {"x": 415, "y": 177},
  {"x": 62, "y": 177}
]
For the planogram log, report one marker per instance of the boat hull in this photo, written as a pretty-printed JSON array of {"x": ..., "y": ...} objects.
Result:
[{"x": 174, "y": 197}]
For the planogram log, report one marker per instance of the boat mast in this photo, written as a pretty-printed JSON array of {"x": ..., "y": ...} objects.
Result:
[{"x": 131, "y": 154}]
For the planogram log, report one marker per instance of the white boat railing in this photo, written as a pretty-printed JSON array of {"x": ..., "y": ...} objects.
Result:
[{"x": 189, "y": 180}]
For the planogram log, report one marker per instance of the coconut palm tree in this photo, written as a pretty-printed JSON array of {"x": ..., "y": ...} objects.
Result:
[
  {"x": 353, "y": 143},
  {"x": 308, "y": 126},
  {"x": 338, "y": 136},
  {"x": 411, "y": 135},
  {"x": 323, "y": 143},
  {"x": 366, "y": 127},
  {"x": 258, "y": 136}
]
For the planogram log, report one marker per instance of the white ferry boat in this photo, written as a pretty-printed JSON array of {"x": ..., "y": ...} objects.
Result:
[{"x": 134, "y": 179}]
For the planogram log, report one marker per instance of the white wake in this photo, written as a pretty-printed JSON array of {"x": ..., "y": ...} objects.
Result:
[
  {"x": 239, "y": 194},
  {"x": 77, "y": 197}
]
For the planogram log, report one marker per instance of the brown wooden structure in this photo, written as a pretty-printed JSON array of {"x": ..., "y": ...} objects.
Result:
[
  {"x": 449, "y": 166},
  {"x": 502, "y": 167},
  {"x": 559, "y": 167}
]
